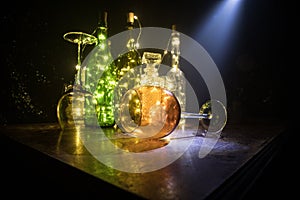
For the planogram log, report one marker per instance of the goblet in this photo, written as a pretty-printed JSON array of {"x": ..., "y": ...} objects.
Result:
[
  {"x": 72, "y": 104},
  {"x": 154, "y": 112}
]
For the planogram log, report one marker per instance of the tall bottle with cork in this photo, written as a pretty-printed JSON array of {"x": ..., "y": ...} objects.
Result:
[
  {"x": 127, "y": 63},
  {"x": 175, "y": 79}
]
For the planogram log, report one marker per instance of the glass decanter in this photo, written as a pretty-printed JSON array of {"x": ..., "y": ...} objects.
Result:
[{"x": 154, "y": 112}]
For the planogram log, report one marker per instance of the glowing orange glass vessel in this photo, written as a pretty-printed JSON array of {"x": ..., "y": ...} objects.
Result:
[{"x": 154, "y": 112}]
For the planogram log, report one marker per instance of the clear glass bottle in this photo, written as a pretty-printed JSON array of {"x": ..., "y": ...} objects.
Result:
[
  {"x": 132, "y": 57},
  {"x": 175, "y": 80},
  {"x": 126, "y": 65},
  {"x": 100, "y": 79}
]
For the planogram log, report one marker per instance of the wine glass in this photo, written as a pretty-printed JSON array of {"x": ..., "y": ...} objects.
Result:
[
  {"x": 72, "y": 104},
  {"x": 154, "y": 112}
]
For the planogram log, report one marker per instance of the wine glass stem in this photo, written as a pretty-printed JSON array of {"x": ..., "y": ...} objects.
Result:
[
  {"x": 188, "y": 115},
  {"x": 79, "y": 70},
  {"x": 79, "y": 54}
]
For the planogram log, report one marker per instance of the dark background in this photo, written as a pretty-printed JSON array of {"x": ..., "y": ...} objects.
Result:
[{"x": 36, "y": 61}]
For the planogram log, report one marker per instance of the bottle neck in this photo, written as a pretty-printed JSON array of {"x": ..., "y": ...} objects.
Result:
[
  {"x": 131, "y": 41},
  {"x": 131, "y": 44},
  {"x": 101, "y": 34},
  {"x": 175, "y": 48}
]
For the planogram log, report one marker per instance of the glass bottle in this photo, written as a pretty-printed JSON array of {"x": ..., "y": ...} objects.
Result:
[
  {"x": 132, "y": 57},
  {"x": 175, "y": 79},
  {"x": 126, "y": 65},
  {"x": 100, "y": 79}
]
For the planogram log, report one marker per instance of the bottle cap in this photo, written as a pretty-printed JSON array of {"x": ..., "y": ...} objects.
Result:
[{"x": 104, "y": 17}]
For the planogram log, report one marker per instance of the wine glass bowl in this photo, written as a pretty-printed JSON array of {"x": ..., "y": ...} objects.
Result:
[
  {"x": 80, "y": 38},
  {"x": 70, "y": 108},
  {"x": 216, "y": 116}
]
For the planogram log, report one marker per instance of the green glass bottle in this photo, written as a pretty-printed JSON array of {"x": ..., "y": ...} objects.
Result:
[
  {"x": 100, "y": 79},
  {"x": 127, "y": 76}
]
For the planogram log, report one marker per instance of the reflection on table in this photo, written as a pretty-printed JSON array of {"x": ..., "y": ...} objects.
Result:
[{"x": 105, "y": 154}]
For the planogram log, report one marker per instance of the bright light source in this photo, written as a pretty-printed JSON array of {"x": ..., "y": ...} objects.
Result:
[{"x": 217, "y": 32}]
